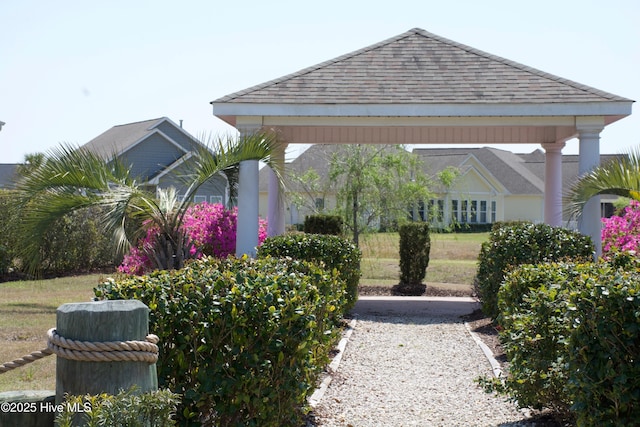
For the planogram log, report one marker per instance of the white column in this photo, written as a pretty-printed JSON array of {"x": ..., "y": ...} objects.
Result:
[
  {"x": 589, "y": 222},
  {"x": 248, "y": 200},
  {"x": 553, "y": 183},
  {"x": 275, "y": 212}
]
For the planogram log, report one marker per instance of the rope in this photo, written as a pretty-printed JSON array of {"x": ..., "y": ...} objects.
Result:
[
  {"x": 24, "y": 360},
  {"x": 87, "y": 351}
]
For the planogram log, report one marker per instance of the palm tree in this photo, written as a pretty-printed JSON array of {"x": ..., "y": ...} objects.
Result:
[
  {"x": 620, "y": 177},
  {"x": 74, "y": 178}
]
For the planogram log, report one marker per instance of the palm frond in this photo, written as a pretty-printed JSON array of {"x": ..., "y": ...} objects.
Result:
[{"x": 620, "y": 177}]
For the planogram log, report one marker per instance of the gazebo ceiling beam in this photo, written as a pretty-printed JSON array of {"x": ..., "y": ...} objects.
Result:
[{"x": 425, "y": 134}]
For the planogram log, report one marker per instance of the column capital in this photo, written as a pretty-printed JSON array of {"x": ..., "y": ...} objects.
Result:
[
  {"x": 589, "y": 125},
  {"x": 249, "y": 124},
  {"x": 553, "y": 146}
]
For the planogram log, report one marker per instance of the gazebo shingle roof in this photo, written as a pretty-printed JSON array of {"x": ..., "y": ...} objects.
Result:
[{"x": 418, "y": 67}]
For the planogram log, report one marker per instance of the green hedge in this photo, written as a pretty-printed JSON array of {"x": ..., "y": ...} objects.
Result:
[
  {"x": 571, "y": 333},
  {"x": 242, "y": 341},
  {"x": 533, "y": 304},
  {"x": 323, "y": 224},
  {"x": 513, "y": 244},
  {"x": 331, "y": 251},
  {"x": 604, "y": 365},
  {"x": 415, "y": 246}
]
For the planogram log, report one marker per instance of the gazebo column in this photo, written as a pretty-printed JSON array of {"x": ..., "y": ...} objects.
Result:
[
  {"x": 248, "y": 199},
  {"x": 553, "y": 183},
  {"x": 589, "y": 135},
  {"x": 275, "y": 211}
]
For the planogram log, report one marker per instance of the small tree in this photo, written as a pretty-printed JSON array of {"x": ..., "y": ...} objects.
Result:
[{"x": 376, "y": 183}]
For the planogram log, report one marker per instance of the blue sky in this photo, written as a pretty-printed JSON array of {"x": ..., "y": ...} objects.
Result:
[{"x": 69, "y": 70}]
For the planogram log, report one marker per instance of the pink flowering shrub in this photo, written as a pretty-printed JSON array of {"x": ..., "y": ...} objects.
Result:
[
  {"x": 137, "y": 261},
  {"x": 622, "y": 233},
  {"x": 210, "y": 228}
]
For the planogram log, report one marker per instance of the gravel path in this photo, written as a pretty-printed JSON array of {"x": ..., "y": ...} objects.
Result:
[{"x": 400, "y": 370}]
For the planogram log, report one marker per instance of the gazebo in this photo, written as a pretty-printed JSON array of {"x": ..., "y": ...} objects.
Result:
[{"x": 420, "y": 88}]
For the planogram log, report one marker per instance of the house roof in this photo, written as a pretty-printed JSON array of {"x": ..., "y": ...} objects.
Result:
[
  {"x": 520, "y": 173},
  {"x": 418, "y": 67},
  {"x": 121, "y": 138},
  {"x": 316, "y": 157}
]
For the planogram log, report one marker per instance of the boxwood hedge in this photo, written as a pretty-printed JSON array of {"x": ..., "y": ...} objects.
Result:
[
  {"x": 242, "y": 341},
  {"x": 516, "y": 243},
  {"x": 333, "y": 252},
  {"x": 571, "y": 333}
]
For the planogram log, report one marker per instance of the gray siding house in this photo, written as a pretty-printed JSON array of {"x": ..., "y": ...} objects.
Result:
[{"x": 158, "y": 151}]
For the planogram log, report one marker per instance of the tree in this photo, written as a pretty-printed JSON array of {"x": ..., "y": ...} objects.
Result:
[
  {"x": 31, "y": 162},
  {"x": 376, "y": 183},
  {"x": 620, "y": 177},
  {"x": 74, "y": 178},
  {"x": 311, "y": 186}
]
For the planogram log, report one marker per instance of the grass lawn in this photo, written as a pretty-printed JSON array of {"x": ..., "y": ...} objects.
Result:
[
  {"x": 28, "y": 308},
  {"x": 452, "y": 263},
  {"x": 27, "y": 311}
]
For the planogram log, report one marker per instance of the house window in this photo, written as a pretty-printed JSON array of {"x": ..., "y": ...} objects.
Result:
[
  {"x": 199, "y": 199},
  {"x": 422, "y": 215},
  {"x": 464, "y": 214},
  {"x": 215, "y": 199},
  {"x": 454, "y": 210},
  {"x": 319, "y": 203},
  {"x": 483, "y": 211},
  {"x": 474, "y": 211},
  {"x": 440, "y": 210},
  {"x": 493, "y": 211}
]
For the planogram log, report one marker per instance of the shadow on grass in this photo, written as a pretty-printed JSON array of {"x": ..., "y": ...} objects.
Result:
[{"x": 28, "y": 308}]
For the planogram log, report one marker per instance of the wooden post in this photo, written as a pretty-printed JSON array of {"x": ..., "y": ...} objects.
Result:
[{"x": 121, "y": 320}]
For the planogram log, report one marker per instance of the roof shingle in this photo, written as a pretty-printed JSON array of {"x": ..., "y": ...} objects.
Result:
[{"x": 418, "y": 67}]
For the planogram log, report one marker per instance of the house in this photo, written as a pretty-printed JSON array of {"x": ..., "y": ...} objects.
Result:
[
  {"x": 494, "y": 185},
  {"x": 490, "y": 185},
  {"x": 158, "y": 152},
  {"x": 300, "y": 199},
  {"x": 7, "y": 175}
]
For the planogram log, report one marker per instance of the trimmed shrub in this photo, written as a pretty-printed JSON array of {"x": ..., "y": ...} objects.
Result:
[
  {"x": 533, "y": 303},
  {"x": 242, "y": 341},
  {"x": 332, "y": 252},
  {"x": 415, "y": 246},
  {"x": 572, "y": 339},
  {"x": 513, "y": 244},
  {"x": 323, "y": 224},
  {"x": 603, "y": 365}
]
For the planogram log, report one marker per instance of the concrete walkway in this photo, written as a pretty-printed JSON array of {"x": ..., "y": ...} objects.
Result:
[{"x": 414, "y": 306}]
